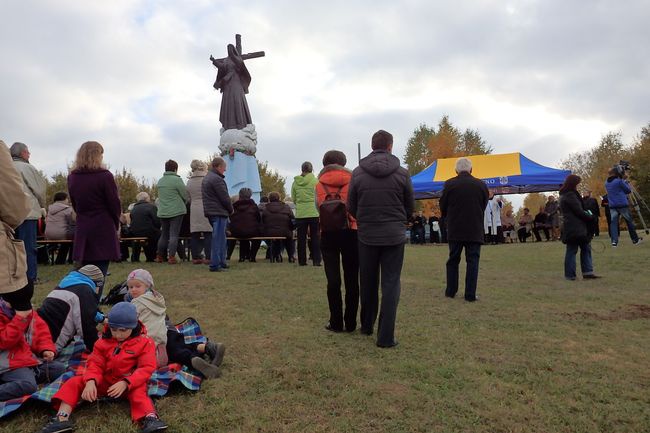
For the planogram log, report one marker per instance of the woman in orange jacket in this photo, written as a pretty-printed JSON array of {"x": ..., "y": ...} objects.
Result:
[{"x": 338, "y": 241}]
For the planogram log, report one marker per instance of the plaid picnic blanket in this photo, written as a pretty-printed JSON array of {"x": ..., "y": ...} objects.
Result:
[{"x": 75, "y": 359}]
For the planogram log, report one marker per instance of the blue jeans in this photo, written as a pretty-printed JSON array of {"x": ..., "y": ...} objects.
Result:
[
  {"x": 625, "y": 213},
  {"x": 27, "y": 233},
  {"x": 219, "y": 245},
  {"x": 586, "y": 264},
  {"x": 23, "y": 381},
  {"x": 472, "y": 257}
]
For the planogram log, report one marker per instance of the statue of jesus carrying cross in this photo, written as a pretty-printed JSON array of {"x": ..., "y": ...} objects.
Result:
[{"x": 233, "y": 80}]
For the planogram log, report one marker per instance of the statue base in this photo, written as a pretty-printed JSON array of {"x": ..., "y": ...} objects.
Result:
[
  {"x": 242, "y": 172},
  {"x": 242, "y": 140},
  {"x": 238, "y": 147}
]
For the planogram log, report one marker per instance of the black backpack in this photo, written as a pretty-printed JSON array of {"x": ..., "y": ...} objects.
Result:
[
  {"x": 115, "y": 295},
  {"x": 333, "y": 211}
]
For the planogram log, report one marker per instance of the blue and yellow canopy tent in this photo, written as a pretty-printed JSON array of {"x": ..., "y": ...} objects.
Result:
[{"x": 507, "y": 173}]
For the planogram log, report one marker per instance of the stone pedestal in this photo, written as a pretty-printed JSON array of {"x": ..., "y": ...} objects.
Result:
[{"x": 238, "y": 147}]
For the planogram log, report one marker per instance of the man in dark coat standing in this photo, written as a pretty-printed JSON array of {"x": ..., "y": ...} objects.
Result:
[
  {"x": 217, "y": 207},
  {"x": 381, "y": 199},
  {"x": 462, "y": 204},
  {"x": 590, "y": 203}
]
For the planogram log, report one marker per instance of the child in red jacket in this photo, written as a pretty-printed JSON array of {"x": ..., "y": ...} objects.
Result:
[
  {"x": 24, "y": 337},
  {"x": 120, "y": 365}
]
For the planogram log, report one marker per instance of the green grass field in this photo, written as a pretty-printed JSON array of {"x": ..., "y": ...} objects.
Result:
[{"x": 535, "y": 354}]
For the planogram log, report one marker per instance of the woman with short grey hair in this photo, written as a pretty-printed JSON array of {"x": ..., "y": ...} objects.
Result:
[{"x": 200, "y": 227}]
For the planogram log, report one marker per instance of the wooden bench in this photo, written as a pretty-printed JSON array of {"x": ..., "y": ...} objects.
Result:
[
  {"x": 52, "y": 251},
  {"x": 187, "y": 247}
]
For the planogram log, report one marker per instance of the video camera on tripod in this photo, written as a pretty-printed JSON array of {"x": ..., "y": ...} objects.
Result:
[
  {"x": 636, "y": 200},
  {"x": 622, "y": 167}
]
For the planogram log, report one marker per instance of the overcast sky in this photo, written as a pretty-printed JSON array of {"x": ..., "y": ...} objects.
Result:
[{"x": 545, "y": 78}]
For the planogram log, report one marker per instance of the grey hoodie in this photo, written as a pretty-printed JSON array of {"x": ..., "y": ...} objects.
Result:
[
  {"x": 60, "y": 221},
  {"x": 381, "y": 199}
]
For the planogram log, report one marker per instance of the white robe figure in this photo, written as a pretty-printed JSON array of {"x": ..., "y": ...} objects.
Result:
[{"x": 492, "y": 215}]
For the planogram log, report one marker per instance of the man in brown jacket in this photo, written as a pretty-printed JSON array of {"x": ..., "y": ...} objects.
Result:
[{"x": 14, "y": 208}]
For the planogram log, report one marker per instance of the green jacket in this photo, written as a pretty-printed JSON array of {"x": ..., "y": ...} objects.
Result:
[
  {"x": 172, "y": 195},
  {"x": 303, "y": 194}
]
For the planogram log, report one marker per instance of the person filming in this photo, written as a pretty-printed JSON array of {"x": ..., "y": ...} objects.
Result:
[{"x": 617, "y": 188}]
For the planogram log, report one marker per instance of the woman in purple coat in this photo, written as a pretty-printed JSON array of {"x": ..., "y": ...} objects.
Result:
[{"x": 94, "y": 197}]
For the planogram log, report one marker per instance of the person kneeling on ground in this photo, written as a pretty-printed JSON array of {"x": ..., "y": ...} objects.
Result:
[
  {"x": 23, "y": 338},
  {"x": 72, "y": 308},
  {"x": 120, "y": 365},
  {"x": 170, "y": 344}
]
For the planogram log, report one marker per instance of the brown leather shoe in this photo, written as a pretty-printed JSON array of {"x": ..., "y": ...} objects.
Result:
[
  {"x": 159, "y": 259},
  {"x": 197, "y": 261},
  {"x": 172, "y": 261}
]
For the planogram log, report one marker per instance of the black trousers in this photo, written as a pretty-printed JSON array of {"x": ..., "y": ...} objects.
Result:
[
  {"x": 231, "y": 243},
  {"x": 337, "y": 247},
  {"x": 149, "y": 248},
  {"x": 276, "y": 249},
  {"x": 178, "y": 351},
  {"x": 523, "y": 234},
  {"x": 472, "y": 256},
  {"x": 373, "y": 260},
  {"x": 536, "y": 231},
  {"x": 302, "y": 224},
  {"x": 64, "y": 254},
  {"x": 248, "y": 249}
]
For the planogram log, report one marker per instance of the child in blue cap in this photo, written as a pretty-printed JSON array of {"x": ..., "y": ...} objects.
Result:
[{"x": 120, "y": 365}]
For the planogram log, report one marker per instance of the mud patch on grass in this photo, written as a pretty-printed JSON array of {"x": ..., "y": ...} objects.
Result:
[{"x": 626, "y": 312}]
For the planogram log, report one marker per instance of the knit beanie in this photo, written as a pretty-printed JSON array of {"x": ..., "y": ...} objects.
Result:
[
  {"x": 141, "y": 275},
  {"x": 123, "y": 315},
  {"x": 94, "y": 273},
  {"x": 21, "y": 299}
]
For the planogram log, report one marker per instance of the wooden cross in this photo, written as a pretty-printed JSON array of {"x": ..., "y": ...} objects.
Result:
[{"x": 248, "y": 55}]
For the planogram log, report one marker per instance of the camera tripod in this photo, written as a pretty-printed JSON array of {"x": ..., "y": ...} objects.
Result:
[{"x": 636, "y": 200}]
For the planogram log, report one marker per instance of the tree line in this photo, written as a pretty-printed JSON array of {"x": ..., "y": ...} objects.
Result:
[
  {"x": 593, "y": 164},
  {"x": 427, "y": 144},
  {"x": 129, "y": 185}
]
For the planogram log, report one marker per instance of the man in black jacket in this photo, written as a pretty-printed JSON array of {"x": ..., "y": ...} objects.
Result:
[
  {"x": 462, "y": 204},
  {"x": 217, "y": 207},
  {"x": 381, "y": 199},
  {"x": 590, "y": 203}
]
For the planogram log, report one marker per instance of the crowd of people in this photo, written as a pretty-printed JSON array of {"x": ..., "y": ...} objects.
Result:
[{"x": 354, "y": 221}]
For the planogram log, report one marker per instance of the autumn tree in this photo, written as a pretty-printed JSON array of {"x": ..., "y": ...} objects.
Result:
[
  {"x": 592, "y": 165},
  {"x": 640, "y": 173},
  {"x": 128, "y": 186},
  {"x": 58, "y": 182},
  {"x": 271, "y": 180},
  {"x": 417, "y": 156},
  {"x": 427, "y": 144},
  {"x": 533, "y": 201}
]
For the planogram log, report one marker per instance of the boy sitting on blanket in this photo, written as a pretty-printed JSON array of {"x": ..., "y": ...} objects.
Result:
[
  {"x": 120, "y": 365},
  {"x": 170, "y": 344},
  {"x": 24, "y": 337}
]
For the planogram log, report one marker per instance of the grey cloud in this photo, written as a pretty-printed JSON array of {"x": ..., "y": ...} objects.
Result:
[{"x": 136, "y": 77}]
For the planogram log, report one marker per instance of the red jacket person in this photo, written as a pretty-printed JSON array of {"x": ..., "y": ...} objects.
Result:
[{"x": 120, "y": 365}]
